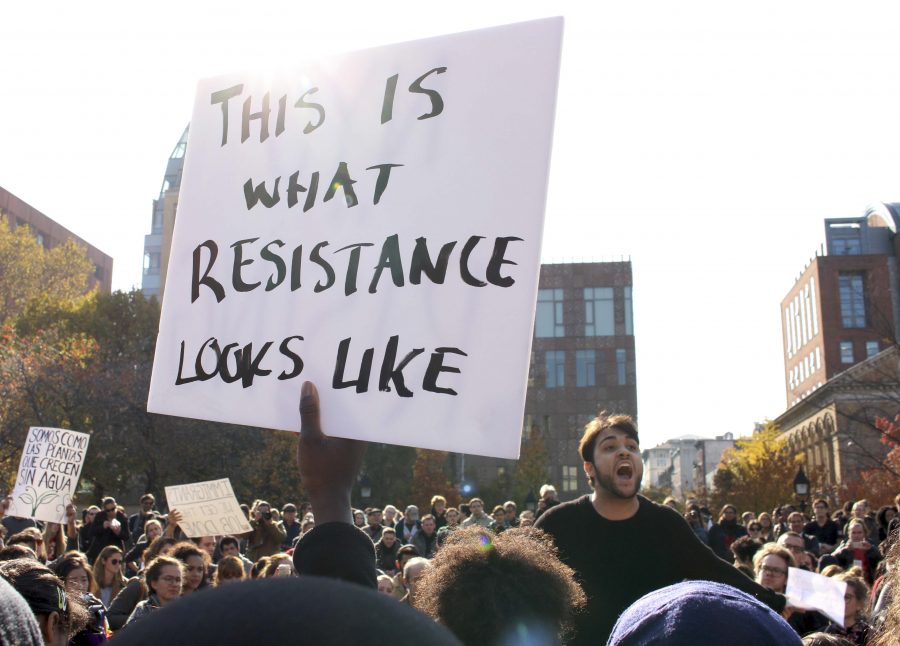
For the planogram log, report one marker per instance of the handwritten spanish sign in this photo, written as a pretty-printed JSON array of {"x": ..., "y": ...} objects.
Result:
[
  {"x": 209, "y": 508},
  {"x": 811, "y": 591},
  {"x": 371, "y": 223},
  {"x": 48, "y": 473}
]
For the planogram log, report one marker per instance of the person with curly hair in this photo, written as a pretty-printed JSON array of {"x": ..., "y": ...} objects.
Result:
[
  {"x": 196, "y": 563},
  {"x": 485, "y": 587},
  {"x": 856, "y": 628},
  {"x": 78, "y": 577}
]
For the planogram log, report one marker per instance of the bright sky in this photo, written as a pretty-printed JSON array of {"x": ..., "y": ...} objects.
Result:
[{"x": 705, "y": 140}]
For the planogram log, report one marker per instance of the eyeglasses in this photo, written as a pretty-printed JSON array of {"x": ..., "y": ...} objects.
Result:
[
  {"x": 773, "y": 570},
  {"x": 171, "y": 580},
  {"x": 115, "y": 561},
  {"x": 755, "y": 529},
  {"x": 110, "y": 510}
]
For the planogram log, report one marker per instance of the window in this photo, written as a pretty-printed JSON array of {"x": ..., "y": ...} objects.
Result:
[
  {"x": 585, "y": 368},
  {"x": 846, "y": 351},
  {"x": 556, "y": 368},
  {"x": 853, "y": 299},
  {"x": 599, "y": 312},
  {"x": 846, "y": 246},
  {"x": 871, "y": 348},
  {"x": 549, "y": 318},
  {"x": 569, "y": 478},
  {"x": 629, "y": 321},
  {"x": 620, "y": 366}
]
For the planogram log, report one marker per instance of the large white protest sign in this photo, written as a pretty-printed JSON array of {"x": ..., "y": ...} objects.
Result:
[
  {"x": 208, "y": 508},
  {"x": 812, "y": 591},
  {"x": 371, "y": 223},
  {"x": 48, "y": 473}
]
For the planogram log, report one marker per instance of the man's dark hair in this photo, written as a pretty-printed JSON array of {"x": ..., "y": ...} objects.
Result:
[
  {"x": 820, "y": 501},
  {"x": 881, "y": 516},
  {"x": 148, "y": 496},
  {"x": 744, "y": 548},
  {"x": 596, "y": 426},
  {"x": 482, "y": 585},
  {"x": 229, "y": 540},
  {"x": 45, "y": 593},
  {"x": 109, "y": 500},
  {"x": 12, "y": 552}
]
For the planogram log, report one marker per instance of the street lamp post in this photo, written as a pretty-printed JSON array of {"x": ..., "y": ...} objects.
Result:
[{"x": 801, "y": 488}]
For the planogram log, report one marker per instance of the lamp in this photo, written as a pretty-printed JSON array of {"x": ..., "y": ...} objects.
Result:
[{"x": 801, "y": 488}]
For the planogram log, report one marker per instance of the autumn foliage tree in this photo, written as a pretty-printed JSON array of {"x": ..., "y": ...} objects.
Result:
[
  {"x": 431, "y": 476},
  {"x": 757, "y": 474},
  {"x": 880, "y": 485}
]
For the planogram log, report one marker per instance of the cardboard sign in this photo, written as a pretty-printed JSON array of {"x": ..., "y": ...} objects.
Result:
[
  {"x": 371, "y": 223},
  {"x": 209, "y": 508},
  {"x": 48, "y": 473},
  {"x": 812, "y": 591}
]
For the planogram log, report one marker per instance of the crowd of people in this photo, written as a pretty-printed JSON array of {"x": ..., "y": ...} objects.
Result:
[{"x": 611, "y": 567}]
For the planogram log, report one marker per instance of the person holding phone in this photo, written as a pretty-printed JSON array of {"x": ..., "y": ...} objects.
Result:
[
  {"x": 267, "y": 535},
  {"x": 857, "y": 551}
]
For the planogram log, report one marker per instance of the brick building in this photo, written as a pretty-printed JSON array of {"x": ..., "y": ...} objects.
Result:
[
  {"x": 582, "y": 362},
  {"x": 840, "y": 327},
  {"x": 50, "y": 233}
]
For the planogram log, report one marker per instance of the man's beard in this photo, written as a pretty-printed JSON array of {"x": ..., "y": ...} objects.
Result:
[{"x": 608, "y": 485}]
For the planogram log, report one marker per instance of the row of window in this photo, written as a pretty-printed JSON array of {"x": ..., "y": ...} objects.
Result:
[
  {"x": 801, "y": 319},
  {"x": 847, "y": 355},
  {"x": 599, "y": 312},
  {"x": 585, "y": 368},
  {"x": 803, "y": 370}
]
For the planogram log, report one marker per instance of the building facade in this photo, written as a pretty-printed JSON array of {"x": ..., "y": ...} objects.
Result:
[
  {"x": 834, "y": 428},
  {"x": 844, "y": 306},
  {"x": 159, "y": 241},
  {"x": 582, "y": 362},
  {"x": 50, "y": 233}
]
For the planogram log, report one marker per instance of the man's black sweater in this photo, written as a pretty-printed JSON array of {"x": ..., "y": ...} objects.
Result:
[{"x": 618, "y": 562}]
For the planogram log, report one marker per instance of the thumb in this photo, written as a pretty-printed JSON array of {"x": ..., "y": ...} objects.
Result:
[{"x": 310, "y": 425}]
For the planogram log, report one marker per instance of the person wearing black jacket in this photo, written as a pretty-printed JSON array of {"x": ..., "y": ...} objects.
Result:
[
  {"x": 622, "y": 545},
  {"x": 109, "y": 527},
  {"x": 726, "y": 532}
]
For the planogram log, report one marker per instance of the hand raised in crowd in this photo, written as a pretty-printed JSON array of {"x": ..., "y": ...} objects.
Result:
[
  {"x": 175, "y": 517},
  {"x": 328, "y": 465},
  {"x": 71, "y": 510}
]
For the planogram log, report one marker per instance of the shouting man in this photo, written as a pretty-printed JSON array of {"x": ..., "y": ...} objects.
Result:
[{"x": 622, "y": 545}]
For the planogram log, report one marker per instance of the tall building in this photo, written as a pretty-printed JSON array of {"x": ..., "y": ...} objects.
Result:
[
  {"x": 582, "y": 362},
  {"x": 50, "y": 233},
  {"x": 840, "y": 324},
  {"x": 159, "y": 241},
  {"x": 844, "y": 307}
]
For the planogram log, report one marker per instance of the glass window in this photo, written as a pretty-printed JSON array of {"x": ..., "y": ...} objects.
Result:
[
  {"x": 599, "y": 311},
  {"x": 556, "y": 368},
  {"x": 569, "y": 478},
  {"x": 585, "y": 368},
  {"x": 629, "y": 321},
  {"x": 846, "y": 351},
  {"x": 549, "y": 318},
  {"x": 846, "y": 246},
  {"x": 871, "y": 348},
  {"x": 853, "y": 299},
  {"x": 620, "y": 366}
]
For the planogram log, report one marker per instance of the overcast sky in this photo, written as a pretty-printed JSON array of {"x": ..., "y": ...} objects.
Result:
[{"x": 704, "y": 140}]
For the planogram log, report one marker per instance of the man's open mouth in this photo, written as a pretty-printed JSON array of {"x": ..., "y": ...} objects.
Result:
[{"x": 624, "y": 470}]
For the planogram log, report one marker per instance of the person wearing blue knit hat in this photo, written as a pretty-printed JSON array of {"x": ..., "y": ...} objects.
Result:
[{"x": 701, "y": 612}]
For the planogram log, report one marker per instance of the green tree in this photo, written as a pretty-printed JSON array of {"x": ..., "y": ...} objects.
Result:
[
  {"x": 757, "y": 474},
  {"x": 533, "y": 467},
  {"x": 33, "y": 278}
]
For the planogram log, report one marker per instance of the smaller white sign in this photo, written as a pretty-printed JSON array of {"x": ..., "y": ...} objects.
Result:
[
  {"x": 811, "y": 591},
  {"x": 48, "y": 473},
  {"x": 208, "y": 508}
]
